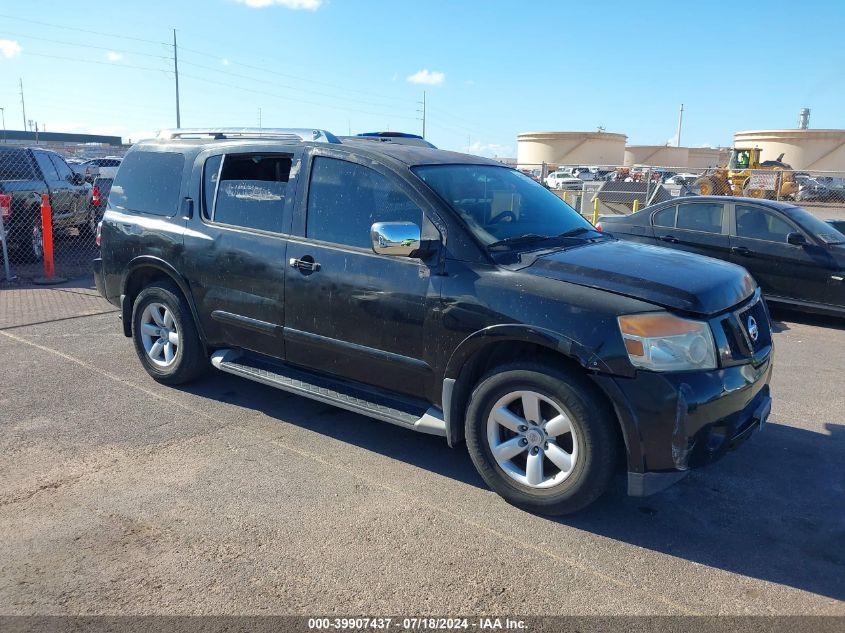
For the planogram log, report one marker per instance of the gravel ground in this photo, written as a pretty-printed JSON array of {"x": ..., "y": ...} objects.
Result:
[{"x": 122, "y": 496}]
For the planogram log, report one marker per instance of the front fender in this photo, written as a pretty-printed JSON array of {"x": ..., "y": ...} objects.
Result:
[{"x": 523, "y": 333}]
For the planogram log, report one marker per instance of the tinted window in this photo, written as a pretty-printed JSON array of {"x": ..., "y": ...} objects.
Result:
[
  {"x": 664, "y": 217},
  {"x": 148, "y": 182},
  {"x": 345, "y": 200},
  {"x": 705, "y": 217},
  {"x": 251, "y": 191},
  {"x": 15, "y": 165},
  {"x": 46, "y": 166},
  {"x": 211, "y": 172},
  {"x": 65, "y": 172},
  {"x": 754, "y": 223}
]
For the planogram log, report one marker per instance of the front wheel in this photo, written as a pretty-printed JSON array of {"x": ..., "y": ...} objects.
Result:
[
  {"x": 542, "y": 438},
  {"x": 165, "y": 335}
]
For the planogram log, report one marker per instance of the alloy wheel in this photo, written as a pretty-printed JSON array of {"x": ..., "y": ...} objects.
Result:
[
  {"x": 532, "y": 439},
  {"x": 159, "y": 334}
]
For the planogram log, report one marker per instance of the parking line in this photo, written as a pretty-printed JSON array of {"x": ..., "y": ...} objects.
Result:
[{"x": 375, "y": 483}]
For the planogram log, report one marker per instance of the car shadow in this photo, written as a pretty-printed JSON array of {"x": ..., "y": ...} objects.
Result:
[
  {"x": 773, "y": 510},
  {"x": 782, "y": 316}
]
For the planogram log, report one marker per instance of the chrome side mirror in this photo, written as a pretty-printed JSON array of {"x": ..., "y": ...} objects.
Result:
[{"x": 400, "y": 239}]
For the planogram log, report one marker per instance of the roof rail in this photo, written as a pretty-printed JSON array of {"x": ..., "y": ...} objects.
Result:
[{"x": 221, "y": 133}]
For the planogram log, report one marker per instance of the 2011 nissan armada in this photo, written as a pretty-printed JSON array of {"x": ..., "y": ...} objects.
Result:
[{"x": 442, "y": 292}]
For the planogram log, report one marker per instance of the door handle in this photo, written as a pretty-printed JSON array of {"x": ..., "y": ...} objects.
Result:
[
  {"x": 308, "y": 265},
  {"x": 741, "y": 250},
  {"x": 670, "y": 238}
]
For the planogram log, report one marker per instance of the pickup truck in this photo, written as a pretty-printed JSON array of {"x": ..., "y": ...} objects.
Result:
[{"x": 26, "y": 174}]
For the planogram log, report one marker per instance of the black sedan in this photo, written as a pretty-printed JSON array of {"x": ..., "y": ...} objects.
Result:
[{"x": 796, "y": 258}]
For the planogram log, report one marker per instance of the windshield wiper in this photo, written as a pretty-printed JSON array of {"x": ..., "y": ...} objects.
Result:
[
  {"x": 520, "y": 239},
  {"x": 578, "y": 230}
]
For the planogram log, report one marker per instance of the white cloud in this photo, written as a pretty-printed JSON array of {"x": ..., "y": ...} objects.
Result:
[
  {"x": 428, "y": 77},
  {"x": 225, "y": 61},
  {"x": 10, "y": 48},
  {"x": 307, "y": 5},
  {"x": 113, "y": 57},
  {"x": 490, "y": 149}
]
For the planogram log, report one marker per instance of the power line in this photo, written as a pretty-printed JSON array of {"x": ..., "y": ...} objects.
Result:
[
  {"x": 101, "y": 48},
  {"x": 121, "y": 36},
  {"x": 91, "y": 61},
  {"x": 297, "y": 77},
  {"x": 289, "y": 98},
  {"x": 250, "y": 78}
]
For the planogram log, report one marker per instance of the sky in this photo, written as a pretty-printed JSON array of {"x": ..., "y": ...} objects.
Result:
[{"x": 489, "y": 69}]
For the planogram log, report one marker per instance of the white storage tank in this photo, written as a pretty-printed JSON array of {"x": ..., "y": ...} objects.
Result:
[
  {"x": 822, "y": 150},
  {"x": 656, "y": 155},
  {"x": 704, "y": 157},
  {"x": 570, "y": 148}
]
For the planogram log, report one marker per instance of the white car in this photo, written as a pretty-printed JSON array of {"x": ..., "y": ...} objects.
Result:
[
  {"x": 563, "y": 180},
  {"x": 101, "y": 167},
  {"x": 685, "y": 179}
]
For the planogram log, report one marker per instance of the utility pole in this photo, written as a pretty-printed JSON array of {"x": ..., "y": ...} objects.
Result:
[
  {"x": 3, "y": 116},
  {"x": 680, "y": 123},
  {"x": 176, "y": 72},
  {"x": 423, "y": 115},
  {"x": 259, "y": 118},
  {"x": 23, "y": 107}
]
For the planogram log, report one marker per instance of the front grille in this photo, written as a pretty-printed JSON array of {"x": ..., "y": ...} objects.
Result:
[
  {"x": 756, "y": 315},
  {"x": 739, "y": 346}
]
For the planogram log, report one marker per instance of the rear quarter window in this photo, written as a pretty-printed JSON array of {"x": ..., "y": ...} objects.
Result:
[{"x": 148, "y": 182}]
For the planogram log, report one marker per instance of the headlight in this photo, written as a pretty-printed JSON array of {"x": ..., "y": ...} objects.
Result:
[{"x": 662, "y": 342}]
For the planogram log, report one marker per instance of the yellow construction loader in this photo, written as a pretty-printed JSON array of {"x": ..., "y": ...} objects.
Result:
[{"x": 745, "y": 175}]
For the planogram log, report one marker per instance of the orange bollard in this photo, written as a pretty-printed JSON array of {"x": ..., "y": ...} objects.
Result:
[{"x": 47, "y": 236}]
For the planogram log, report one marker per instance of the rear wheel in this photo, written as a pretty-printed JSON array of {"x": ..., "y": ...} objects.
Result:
[
  {"x": 541, "y": 438},
  {"x": 29, "y": 246},
  {"x": 751, "y": 192},
  {"x": 165, "y": 335}
]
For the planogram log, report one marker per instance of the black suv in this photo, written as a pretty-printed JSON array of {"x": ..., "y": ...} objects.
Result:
[{"x": 442, "y": 292}]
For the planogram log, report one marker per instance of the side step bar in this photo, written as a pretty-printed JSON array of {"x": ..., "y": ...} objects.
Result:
[{"x": 334, "y": 392}]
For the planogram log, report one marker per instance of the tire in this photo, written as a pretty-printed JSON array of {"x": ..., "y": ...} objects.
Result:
[
  {"x": 592, "y": 441},
  {"x": 29, "y": 247},
  {"x": 180, "y": 356},
  {"x": 708, "y": 186}
]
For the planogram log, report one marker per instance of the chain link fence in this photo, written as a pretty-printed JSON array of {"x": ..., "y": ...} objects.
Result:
[
  {"x": 617, "y": 189},
  {"x": 49, "y": 211}
]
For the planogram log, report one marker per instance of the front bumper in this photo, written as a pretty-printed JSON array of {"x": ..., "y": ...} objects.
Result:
[{"x": 674, "y": 422}]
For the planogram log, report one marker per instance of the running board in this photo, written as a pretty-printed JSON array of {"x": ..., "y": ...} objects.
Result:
[{"x": 334, "y": 392}]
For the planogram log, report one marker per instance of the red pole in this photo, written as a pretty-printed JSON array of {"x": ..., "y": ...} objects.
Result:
[{"x": 47, "y": 236}]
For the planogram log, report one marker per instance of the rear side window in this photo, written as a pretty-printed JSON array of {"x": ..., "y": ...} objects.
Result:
[
  {"x": 15, "y": 166},
  {"x": 664, "y": 217},
  {"x": 251, "y": 190},
  {"x": 148, "y": 182},
  {"x": 706, "y": 217},
  {"x": 345, "y": 199}
]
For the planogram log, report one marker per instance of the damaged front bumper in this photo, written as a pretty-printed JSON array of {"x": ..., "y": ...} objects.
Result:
[{"x": 674, "y": 422}]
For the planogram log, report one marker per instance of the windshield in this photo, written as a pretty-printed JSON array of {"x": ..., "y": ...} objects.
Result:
[
  {"x": 821, "y": 229},
  {"x": 499, "y": 203}
]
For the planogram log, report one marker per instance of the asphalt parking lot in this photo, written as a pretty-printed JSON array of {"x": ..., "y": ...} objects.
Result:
[{"x": 122, "y": 496}]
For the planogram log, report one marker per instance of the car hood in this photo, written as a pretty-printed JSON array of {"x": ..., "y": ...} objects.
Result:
[{"x": 669, "y": 278}]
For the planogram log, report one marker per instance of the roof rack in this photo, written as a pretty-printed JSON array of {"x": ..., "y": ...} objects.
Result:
[{"x": 221, "y": 133}]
